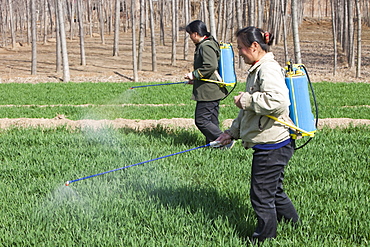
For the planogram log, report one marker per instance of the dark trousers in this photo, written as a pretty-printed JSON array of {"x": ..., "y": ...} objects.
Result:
[
  {"x": 267, "y": 195},
  {"x": 206, "y": 119}
]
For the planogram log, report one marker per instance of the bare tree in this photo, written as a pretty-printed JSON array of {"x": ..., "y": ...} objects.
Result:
[
  {"x": 173, "y": 54},
  {"x": 283, "y": 14},
  {"x": 28, "y": 8},
  {"x": 350, "y": 46},
  {"x": 134, "y": 58},
  {"x": 161, "y": 22},
  {"x": 176, "y": 19},
  {"x": 186, "y": 36},
  {"x": 89, "y": 17},
  {"x": 101, "y": 21},
  {"x": 251, "y": 12},
  {"x": 11, "y": 20},
  {"x": 220, "y": 19},
  {"x": 212, "y": 22},
  {"x": 229, "y": 19},
  {"x": 58, "y": 46},
  {"x": 239, "y": 20},
  {"x": 295, "y": 25},
  {"x": 359, "y": 30},
  {"x": 116, "y": 29},
  {"x": 34, "y": 38},
  {"x": 335, "y": 47},
  {"x": 63, "y": 41},
  {"x": 260, "y": 12},
  {"x": 141, "y": 34},
  {"x": 45, "y": 18},
  {"x": 82, "y": 32},
  {"x": 152, "y": 35}
]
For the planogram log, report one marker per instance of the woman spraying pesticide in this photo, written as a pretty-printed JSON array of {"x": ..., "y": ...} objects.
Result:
[
  {"x": 207, "y": 94},
  {"x": 266, "y": 94}
]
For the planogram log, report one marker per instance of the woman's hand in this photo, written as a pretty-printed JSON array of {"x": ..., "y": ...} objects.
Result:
[
  {"x": 237, "y": 100},
  {"x": 224, "y": 139},
  {"x": 189, "y": 76}
]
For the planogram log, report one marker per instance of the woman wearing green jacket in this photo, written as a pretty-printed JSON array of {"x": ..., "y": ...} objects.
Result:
[
  {"x": 207, "y": 94},
  {"x": 266, "y": 94}
]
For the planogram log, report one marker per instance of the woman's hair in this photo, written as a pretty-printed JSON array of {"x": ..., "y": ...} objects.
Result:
[
  {"x": 199, "y": 27},
  {"x": 248, "y": 35}
]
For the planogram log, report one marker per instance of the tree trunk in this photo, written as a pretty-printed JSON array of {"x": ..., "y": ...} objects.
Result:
[
  {"x": 351, "y": 52},
  {"x": 161, "y": 23},
  {"x": 176, "y": 20},
  {"x": 34, "y": 38},
  {"x": 116, "y": 29},
  {"x": 90, "y": 18},
  {"x": 186, "y": 36},
  {"x": 212, "y": 22},
  {"x": 224, "y": 22},
  {"x": 101, "y": 21},
  {"x": 58, "y": 46},
  {"x": 295, "y": 24},
  {"x": 63, "y": 41},
  {"x": 333, "y": 16},
  {"x": 152, "y": 35},
  {"x": 229, "y": 20},
  {"x": 251, "y": 12},
  {"x": 285, "y": 35},
  {"x": 239, "y": 20},
  {"x": 261, "y": 7},
  {"x": 72, "y": 20},
  {"x": 28, "y": 8},
  {"x": 11, "y": 21},
  {"x": 134, "y": 58},
  {"x": 45, "y": 11},
  {"x": 359, "y": 30},
  {"x": 82, "y": 33},
  {"x": 173, "y": 54},
  {"x": 141, "y": 34}
]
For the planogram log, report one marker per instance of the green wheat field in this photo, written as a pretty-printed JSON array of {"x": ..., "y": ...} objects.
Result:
[{"x": 197, "y": 198}]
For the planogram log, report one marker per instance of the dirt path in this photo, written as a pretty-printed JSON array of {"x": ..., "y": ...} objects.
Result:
[{"x": 144, "y": 124}]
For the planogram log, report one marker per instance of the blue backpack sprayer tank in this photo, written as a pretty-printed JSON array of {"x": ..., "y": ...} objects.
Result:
[{"x": 300, "y": 110}]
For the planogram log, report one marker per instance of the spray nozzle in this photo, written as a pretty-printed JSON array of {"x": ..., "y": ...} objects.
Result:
[
  {"x": 67, "y": 183},
  {"x": 215, "y": 144}
]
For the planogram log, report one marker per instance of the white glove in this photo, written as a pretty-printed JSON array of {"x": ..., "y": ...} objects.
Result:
[{"x": 189, "y": 76}]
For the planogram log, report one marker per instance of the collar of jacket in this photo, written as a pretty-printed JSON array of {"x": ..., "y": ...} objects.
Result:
[
  {"x": 205, "y": 39},
  {"x": 269, "y": 56}
]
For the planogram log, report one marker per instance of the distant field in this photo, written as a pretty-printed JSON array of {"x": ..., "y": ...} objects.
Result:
[{"x": 116, "y": 100}]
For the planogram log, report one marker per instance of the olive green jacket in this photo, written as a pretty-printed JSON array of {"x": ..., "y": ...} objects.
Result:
[
  {"x": 266, "y": 94},
  {"x": 206, "y": 56}
]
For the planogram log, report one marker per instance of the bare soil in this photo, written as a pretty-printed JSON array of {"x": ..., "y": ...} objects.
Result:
[
  {"x": 15, "y": 67},
  {"x": 146, "y": 124}
]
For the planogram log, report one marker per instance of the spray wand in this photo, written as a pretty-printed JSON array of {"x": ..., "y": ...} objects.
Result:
[{"x": 211, "y": 144}]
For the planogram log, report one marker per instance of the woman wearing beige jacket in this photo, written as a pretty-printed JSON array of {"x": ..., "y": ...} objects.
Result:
[{"x": 266, "y": 94}]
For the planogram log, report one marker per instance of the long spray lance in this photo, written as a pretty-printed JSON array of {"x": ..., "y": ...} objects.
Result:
[
  {"x": 211, "y": 144},
  {"x": 162, "y": 84}
]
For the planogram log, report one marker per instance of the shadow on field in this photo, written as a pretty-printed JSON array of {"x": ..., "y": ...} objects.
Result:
[
  {"x": 172, "y": 136},
  {"x": 215, "y": 207}
]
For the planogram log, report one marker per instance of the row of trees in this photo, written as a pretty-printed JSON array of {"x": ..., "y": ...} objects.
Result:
[{"x": 37, "y": 20}]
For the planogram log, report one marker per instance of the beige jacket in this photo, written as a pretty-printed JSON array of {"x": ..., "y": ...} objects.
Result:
[{"x": 266, "y": 94}]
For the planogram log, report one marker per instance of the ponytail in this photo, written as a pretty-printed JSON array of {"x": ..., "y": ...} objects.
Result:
[{"x": 252, "y": 34}]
